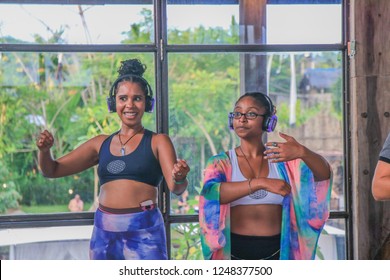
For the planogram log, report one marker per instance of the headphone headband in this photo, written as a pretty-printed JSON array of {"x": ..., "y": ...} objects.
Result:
[{"x": 270, "y": 104}]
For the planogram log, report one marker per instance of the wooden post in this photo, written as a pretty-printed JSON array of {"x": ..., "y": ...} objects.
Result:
[
  {"x": 253, "y": 31},
  {"x": 370, "y": 123}
]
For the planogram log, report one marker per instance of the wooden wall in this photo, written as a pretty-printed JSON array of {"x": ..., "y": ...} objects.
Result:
[{"x": 369, "y": 81}]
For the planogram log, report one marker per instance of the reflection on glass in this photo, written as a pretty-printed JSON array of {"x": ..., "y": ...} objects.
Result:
[
  {"x": 76, "y": 24},
  {"x": 68, "y": 96},
  {"x": 306, "y": 89},
  {"x": 332, "y": 242},
  {"x": 51, "y": 243},
  {"x": 185, "y": 242},
  {"x": 254, "y": 23}
]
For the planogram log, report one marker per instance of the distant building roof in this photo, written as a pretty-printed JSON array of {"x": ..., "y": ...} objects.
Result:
[{"x": 322, "y": 78}]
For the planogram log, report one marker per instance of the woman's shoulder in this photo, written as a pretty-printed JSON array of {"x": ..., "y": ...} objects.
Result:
[
  {"x": 222, "y": 155},
  {"x": 158, "y": 136},
  {"x": 221, "y": 158},
  {"x": 93, "y": 144},
  {"x": 159, "y": 140},
  {"x": 102, "y": 137},
  {"x": 98, "y": 140}
]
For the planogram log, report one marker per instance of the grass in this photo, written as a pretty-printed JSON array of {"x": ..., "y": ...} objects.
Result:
[{"x": 39, "y": 209}]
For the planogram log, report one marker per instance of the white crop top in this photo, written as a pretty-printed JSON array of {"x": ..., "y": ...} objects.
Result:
[{"x": 257, "y": 197}]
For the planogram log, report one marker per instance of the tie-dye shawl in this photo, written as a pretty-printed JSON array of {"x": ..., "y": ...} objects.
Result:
[{"x": 305, "y": 210}]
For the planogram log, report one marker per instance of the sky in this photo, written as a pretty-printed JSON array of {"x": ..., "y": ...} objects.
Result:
[{"x": 286, "y": 24}]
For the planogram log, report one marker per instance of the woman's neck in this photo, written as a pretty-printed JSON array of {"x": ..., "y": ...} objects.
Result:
[
  {"x": 127, "y": 130},
  {"x": 252, "y": 148}
]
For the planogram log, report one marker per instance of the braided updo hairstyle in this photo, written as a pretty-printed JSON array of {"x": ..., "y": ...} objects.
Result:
[
  {"x": 131, "y": 66},
  {"x": 132, "y": 70}
]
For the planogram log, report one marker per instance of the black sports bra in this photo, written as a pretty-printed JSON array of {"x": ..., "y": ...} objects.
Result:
[{"x": 141, "y": 165}]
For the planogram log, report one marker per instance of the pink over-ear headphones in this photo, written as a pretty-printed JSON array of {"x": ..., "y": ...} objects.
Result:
[
  {"x": 270, "y": 119},
  {"x": 111, "y": 102}
]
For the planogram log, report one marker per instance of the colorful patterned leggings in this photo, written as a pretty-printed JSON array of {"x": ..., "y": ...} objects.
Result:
[{"x": 134, "y": 236}]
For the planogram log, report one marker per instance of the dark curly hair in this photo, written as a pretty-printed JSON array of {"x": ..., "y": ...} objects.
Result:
[
  {"x": 132, "y": 67},
  {"x": 132, "y": 70},
  {"x": 261, "y": 99}
]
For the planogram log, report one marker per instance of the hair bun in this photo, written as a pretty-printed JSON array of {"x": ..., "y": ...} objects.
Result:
[{"x": 132, "y": 67}]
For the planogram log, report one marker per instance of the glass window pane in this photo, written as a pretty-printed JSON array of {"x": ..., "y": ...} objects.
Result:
[
  {"x": 304, "y": 24},
  {"x": 51, "y": 243},
  {"x": 306, "y": 88},
  {"x": 310, "y": 108},
  {"x": 186, "y": 203},
  {"x": 332, "y": 242},
  {"x": 202, "y": 24},
  {"x": 253, "y": 23},
  {"x": 185, "y": 242},
  {"x": 76, "y": 24},
  {"x": 66, "y": 94},
  {"x": 201, "y": 91},
  {"x": 187, "y": 148}
]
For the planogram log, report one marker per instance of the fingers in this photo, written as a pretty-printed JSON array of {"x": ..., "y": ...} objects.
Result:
[
  {"x": 287, "y": 188},
  {"x": 285, "y": 191},
  {"x": 288, "y": 138},
  {"x": 180, "y": 170},
  {"x": 284, "y": 188},
  {"x": 274, "y": 157},
  {"x": 284, "y": 136},
  {"x": 274, "y": 153},
  {"x": 272, "y": 144},
  {"x": 45, "y": 140},
  {"x": 277, "y": 186}
]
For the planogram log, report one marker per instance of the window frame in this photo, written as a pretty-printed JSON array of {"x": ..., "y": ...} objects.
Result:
[{"x": 160, "y": 49}]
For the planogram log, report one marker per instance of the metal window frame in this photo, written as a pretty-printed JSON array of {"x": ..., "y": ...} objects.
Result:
[{"x": 160, "y": 48}]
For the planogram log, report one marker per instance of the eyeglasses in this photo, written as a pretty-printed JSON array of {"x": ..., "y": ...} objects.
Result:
[{"x": 248, "y": 116}]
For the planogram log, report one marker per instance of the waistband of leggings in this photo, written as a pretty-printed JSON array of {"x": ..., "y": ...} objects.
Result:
[{"x": 126, "y": 210}]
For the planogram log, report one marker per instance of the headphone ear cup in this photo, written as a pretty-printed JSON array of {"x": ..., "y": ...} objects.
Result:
[
  {"x": 111, "y": 104},
  {"x": 230, "y": 121},
  {"x": 269, "y": 123},
  {"x": 149, "y": 104},
  {"x": 264, "y": 125}
]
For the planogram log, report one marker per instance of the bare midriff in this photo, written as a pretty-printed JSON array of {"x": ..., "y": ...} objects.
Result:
[
  {"x": 256, "y": 220},
  {"x": 120, "y": 194}
]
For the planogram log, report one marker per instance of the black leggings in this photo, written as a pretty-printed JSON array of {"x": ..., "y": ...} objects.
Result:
[{"x": 246, "y": 247}]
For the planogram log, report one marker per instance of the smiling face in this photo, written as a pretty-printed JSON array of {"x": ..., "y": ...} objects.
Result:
[
  {"x": 245, "y": 127},
  {"x": 130, "y": 102}
]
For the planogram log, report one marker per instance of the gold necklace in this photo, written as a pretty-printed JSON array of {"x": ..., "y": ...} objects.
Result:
[
  {"x": 123, "y": 149},
  {"x": 259, "y": 193}
]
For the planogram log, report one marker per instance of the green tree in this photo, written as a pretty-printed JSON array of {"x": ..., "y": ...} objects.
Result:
[{"x": 9, "y": 196}]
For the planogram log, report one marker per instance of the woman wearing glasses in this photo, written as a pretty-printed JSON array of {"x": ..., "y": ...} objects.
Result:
[{"x": 263, "y": 201}]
